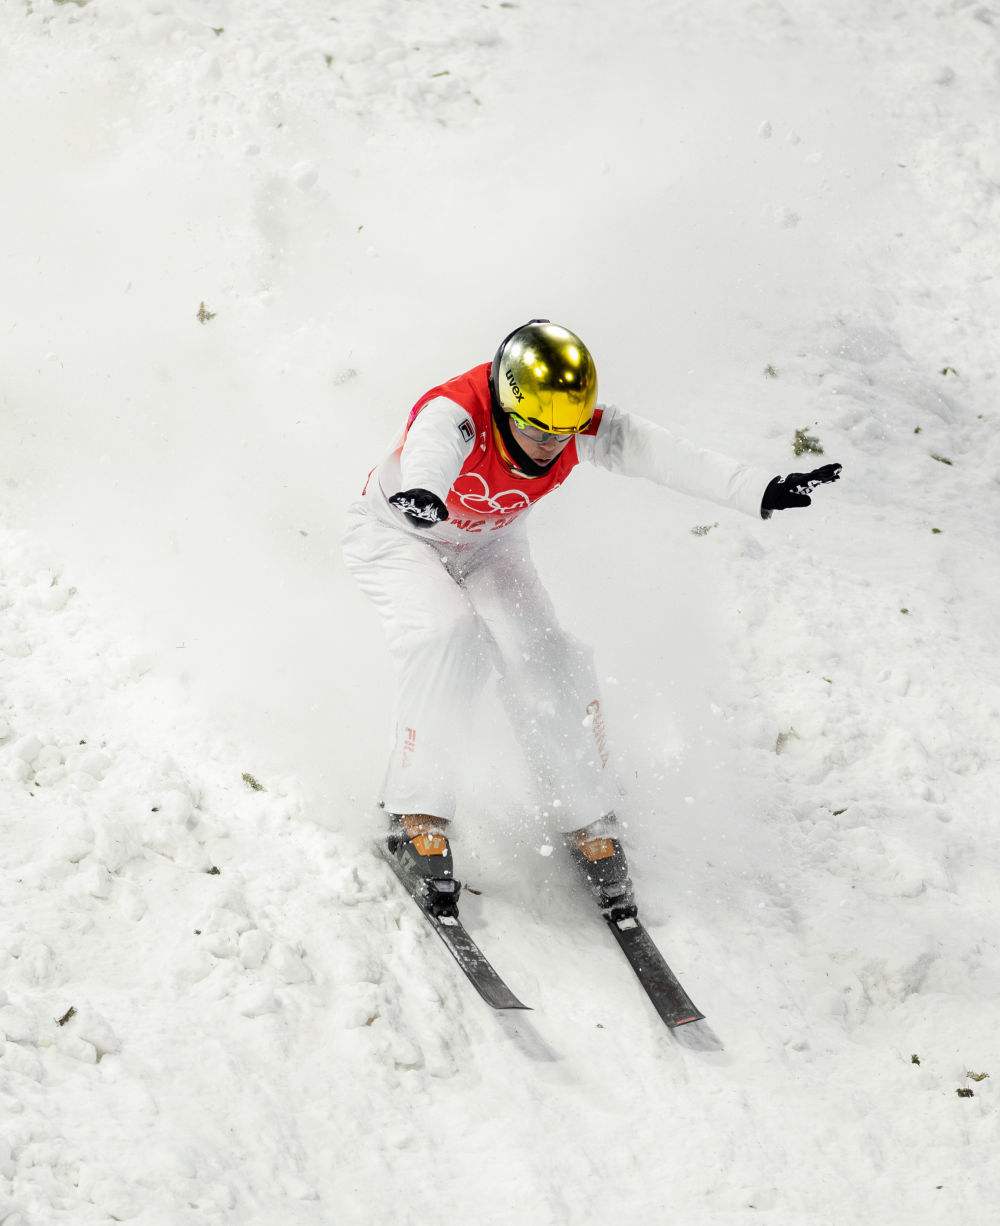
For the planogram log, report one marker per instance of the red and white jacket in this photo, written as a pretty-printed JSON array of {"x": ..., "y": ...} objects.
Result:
[{"x": 449, "y": 446}]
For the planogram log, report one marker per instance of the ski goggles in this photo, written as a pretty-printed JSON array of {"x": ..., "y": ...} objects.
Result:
[{"x": 538, "y": 435}]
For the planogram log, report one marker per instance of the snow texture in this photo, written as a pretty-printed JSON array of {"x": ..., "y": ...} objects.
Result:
[{"x": 238, "y": 242}]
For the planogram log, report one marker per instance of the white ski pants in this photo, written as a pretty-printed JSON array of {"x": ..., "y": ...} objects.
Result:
[{"x": 450, "y": 614}]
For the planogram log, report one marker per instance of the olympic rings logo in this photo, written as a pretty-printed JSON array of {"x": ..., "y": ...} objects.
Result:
[{"x": 507, "y": 502}]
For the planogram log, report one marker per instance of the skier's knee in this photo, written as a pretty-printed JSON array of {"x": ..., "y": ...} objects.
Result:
[
  {"x": 552, "y": 647},
  {"x": 453, "y": 630}
]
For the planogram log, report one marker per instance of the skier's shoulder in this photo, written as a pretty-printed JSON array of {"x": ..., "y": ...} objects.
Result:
[
  {"x": 469, "y": 389},
  {"x": 596, "y": 432},
  {"x": 464, "y": 397}
]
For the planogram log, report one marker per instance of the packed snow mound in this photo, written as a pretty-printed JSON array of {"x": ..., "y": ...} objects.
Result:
[{"x": 215, "y": 1009}]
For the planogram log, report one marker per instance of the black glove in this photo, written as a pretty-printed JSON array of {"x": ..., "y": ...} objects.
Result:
[
  {"x": 794, "y": 490},
  {"x": 422, "y": 508}
]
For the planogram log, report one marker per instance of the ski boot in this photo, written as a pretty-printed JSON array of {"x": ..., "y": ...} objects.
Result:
[
  {"x": 419, "y": 845},
  {"x": 602, "y": 860}
]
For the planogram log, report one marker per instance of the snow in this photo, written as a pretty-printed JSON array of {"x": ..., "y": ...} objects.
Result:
[{"x": 214, "y": 1003}]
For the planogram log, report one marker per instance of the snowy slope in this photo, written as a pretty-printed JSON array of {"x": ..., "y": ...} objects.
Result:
[{"x": 765, "y": 218}]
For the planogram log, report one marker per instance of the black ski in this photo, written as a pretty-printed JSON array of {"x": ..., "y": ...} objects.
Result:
[
  {"x": 463, "y": 948},
  {"x": 662, "y": 986}
]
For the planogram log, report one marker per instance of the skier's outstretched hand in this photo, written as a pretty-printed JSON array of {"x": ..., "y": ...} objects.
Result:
[
  {"x": 422, "y": 508},
  {"x": 794, "y": 490}
]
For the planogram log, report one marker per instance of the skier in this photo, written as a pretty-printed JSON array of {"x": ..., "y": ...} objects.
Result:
[{"x": 438, "y": 543}]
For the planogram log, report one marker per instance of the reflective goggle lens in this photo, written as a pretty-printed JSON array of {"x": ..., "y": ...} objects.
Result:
[{"x": 537, "y": 435}]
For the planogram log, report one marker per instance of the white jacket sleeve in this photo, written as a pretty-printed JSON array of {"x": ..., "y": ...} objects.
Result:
[
  {"x": 636, "y": 447},
  {"x": 437, "y": 445}
]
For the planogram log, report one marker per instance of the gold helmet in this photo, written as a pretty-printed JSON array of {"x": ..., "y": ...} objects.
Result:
[{"x": 544, "y": 376}]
